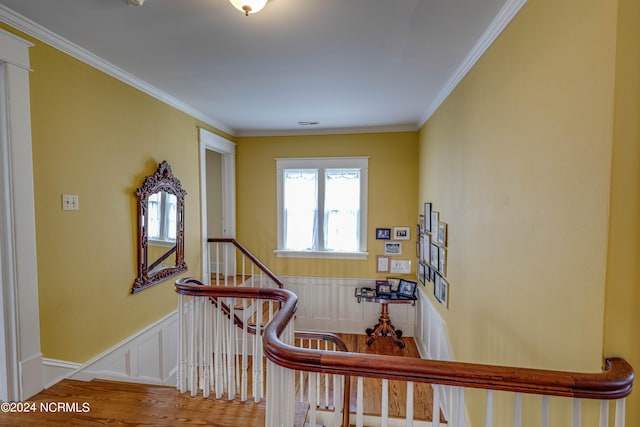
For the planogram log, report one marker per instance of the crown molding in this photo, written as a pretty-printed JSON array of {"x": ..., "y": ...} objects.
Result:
[
  {"x": 499, "y": 23},
  {"x": 329, "y": 131},
  {"x": 41, "y": 33}
]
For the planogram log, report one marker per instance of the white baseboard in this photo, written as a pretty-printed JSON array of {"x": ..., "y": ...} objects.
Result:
[
  {"x": 30, "y": 374},
  {"x": 149, "y": 357}
]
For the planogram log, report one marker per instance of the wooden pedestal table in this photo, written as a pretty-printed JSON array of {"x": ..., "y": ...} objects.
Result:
[{"x": 384, "y": 327}]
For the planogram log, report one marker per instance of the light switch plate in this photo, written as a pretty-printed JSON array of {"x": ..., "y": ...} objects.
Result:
[
  {"x": 70, "y": 202},
  {"x": 400, "y": 266}
]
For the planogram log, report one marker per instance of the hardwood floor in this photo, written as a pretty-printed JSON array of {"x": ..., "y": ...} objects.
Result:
[{"x": 100, "y": 403}]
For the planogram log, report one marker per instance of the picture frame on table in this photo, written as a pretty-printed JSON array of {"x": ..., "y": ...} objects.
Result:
[
  {"x": 394, "y": 282},
  {"x": 401, "y": 233},
  {"x": 442, "y": 233},
  {"x": 383, "y": 288},
  {"x": 382, "y": 264},
  {"x": 383, "y": 234},
  {"x": 434, "y": 254},
  {"x": 442, "y": 261},
  {"x": 427, "y": 216},
  {"x": 407, "y": 288},
  {"x": 392, "y": 248}
]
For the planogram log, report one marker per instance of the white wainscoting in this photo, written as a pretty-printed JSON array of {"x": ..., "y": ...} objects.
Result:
[
  {"x": 328, "y": 304},
  {"x": 149, "y": 357}
]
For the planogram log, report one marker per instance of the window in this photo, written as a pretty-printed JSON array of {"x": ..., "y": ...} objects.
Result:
[{"x": 322, "y": 207}]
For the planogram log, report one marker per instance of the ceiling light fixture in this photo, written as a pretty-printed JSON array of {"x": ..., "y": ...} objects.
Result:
[
  {"x": 248, "y": 6},
  {"x": 133, "y": 2}
]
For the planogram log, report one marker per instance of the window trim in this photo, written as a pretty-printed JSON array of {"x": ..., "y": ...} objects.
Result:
[{"x": 361, "y": 163}]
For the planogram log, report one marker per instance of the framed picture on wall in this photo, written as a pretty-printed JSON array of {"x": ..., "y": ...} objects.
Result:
[
  {"x": 442, "y": 261},
  {"x": 401, "y": 233},
  {"x": 435, "y": 220},
  {"x": 383, "y": 234},
  {"x": 442, "y": 233},
  {"x": 427, "y": 214},
  {"x": 441, "y": 290},
  {"x": 382, "y": 264},
  {"x": 434, "y": 256},
  {"x": 420, "y": 274},
  {"x": 392, "y": 248}
]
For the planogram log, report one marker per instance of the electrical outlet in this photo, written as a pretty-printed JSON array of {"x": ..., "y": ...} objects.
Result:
[{"x": 70, "y": 202}]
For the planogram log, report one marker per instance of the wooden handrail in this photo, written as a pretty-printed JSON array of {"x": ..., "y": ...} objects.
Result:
[
  {"x": 249, "y": 255},
  {"x": 615, "y": 381}
]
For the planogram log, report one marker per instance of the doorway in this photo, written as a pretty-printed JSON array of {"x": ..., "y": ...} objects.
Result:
[{"x": 218, "y": 191}]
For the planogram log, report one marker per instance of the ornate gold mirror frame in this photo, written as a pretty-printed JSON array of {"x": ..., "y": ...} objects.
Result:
[{"x": 161, "y": 213}]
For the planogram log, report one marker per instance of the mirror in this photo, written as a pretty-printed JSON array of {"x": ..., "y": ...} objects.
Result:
[{"x": 160, "y": 228}]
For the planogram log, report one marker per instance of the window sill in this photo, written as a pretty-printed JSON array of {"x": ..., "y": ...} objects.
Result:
[{"x": 281, "y": 253}]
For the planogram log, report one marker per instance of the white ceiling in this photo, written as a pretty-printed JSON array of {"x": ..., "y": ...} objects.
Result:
[{"x": 348, "y": 64}]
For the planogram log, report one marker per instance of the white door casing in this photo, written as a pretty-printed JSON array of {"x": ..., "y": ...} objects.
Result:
[{"x": 21, "y": 359}]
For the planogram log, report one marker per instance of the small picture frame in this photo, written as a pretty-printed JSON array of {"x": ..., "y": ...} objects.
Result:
[
  {"x": 435, "y": 220},
  {"x": 427, "y": 214},
  {"x": 434, "y": 256},
  {"x": 383, "y": 234},
  {"x": 441, "y": 290},
  {"x": 383, "y": 288},
  {"x": 407, "y": 288},
  {"x": 392, "y": 248},
  {"x": 442, "y": 261},
  {"x": 420, "y": 273},
  {"x": 401, "y": 233},
  {"x": 420, "y": 227},
  {"x": 394, "y": 282},
  {"x": 442, "y": 233},
  {"x": 382, "y": 264}
]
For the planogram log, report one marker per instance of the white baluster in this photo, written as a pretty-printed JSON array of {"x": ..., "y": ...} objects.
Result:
[
  {"x": 409, "y": 409},
  {"x": 604, "y": 413},
  {"x": 436, "y": 406},
  {"x": 181, "y": 346},
  {"x": 230, "y": 347},
  {"x": 460, "y": 409},
  {"x": 217, "y": 350},
  {"x": 313, "y": 395},
  {"x": 326, "y": 381},
  {"x": 620, "y": 412},
  {"x": 385, "y": 403},
  {"x": 488, "y": 411},
  {"x": 517, "y": 410},
  {"x": 245, "y": 358},
  {"x": 545, "y": 412},
  {"x": 192, "y": 351},
  {"x": 338, "y": 393},
  {"x": 577, "y": 412},
  {"x": 206, "y": 347},
  {"x": 360, "y": 403}
]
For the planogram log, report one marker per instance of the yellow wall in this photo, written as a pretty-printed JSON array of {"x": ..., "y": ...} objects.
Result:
[
  {"x": 622, "y": 316},
  {"x": 97, "y": 137},
  {"x": 393, "y": 186},
  {"x": 542, "y": 191}
]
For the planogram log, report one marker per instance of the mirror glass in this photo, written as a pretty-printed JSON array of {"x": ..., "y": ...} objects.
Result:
[{"x": 160, "y": 228}]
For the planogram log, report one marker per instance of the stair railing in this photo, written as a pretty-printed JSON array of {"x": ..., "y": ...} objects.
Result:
[{"x": 614, "y": 383}]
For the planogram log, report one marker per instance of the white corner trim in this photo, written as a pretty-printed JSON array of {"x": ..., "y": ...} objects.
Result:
[
  {"x": 499, "y": 23},
  {"x": 33, "y": 29}
]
